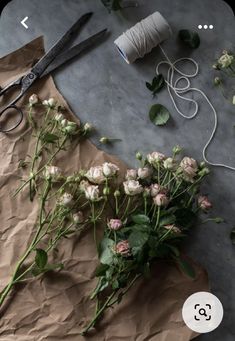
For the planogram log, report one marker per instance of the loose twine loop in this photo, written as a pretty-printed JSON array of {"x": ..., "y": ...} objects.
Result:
[{"x": 140, "y": 40}]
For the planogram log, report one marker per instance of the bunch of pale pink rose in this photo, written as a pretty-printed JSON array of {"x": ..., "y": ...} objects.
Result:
[{"x": 152, "y": 209}]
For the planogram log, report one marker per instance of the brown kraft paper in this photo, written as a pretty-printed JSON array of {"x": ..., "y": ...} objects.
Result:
[{"x": 57, "y": 305}]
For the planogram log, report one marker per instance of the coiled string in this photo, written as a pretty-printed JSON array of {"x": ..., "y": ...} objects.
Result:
[
  {"x": 172, "y": 87},
  {"x": 141, "y": 39}
]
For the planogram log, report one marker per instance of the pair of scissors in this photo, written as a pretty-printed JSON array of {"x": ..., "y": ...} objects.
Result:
[{"x": 54, "y": 58}]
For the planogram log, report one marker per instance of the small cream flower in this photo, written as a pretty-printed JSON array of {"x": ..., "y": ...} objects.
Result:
[
  {"x": 225, "y": 60},
  {"x": 110, "y": 169},
  {"x": 88, "y": 127},
  {"x": 66, "y": 199},
  {"x": 71, "y": 128},
  {"x": 51, "y": 102},
  {"x": 131, "y": 174},
  {"x": 95, "y": 175},
  {"x": 132, "y": 187},
  {"x": 92, "y": 192},
  {"x": 59, "y": 117}
]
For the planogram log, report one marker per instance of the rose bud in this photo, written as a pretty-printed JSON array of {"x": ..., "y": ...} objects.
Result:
[
  {"x": 92, "y": 192},
  {"x": 155, "y": 189},
  {"x": 66, "y": 199},
  {"x": 109, "y": 169},
  {"x": 115, "y": 224},
  {"x": 131, "y": 174},
  {"x": 106, "y": 191},
  {"x": 139, "y": 156},
  {"x": 104, "y": 140},
  {"x": 78, "y": 217},
  {"x": 173, "y": 228},
  {"x": 204, "y": 203},
  {"x": 95, "y": 175},
  {"x": 161, "y": 200},
  {"x": 123, "y": 248},
  {"x": 132, "y": 187},
  {"x": 117, "y": 193},
  {"x": 217, "y": 81},
  {"x": 64, "y": 123},
  {"x": 144, "y": 172},
  {"x": 176, "y": 150},
  {"x": 33, "y": 99},
  {"x": 147, "y": 192}
]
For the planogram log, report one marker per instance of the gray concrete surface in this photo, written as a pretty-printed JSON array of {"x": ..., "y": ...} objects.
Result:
[{"x": 103, "y": 89}]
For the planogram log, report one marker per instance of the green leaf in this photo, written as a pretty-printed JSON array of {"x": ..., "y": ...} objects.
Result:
[
  {"x": 140, "y": 219},
  {"x": 50, "y": 138},
  {"x": 167, "y": 220},
  {"x": 101, "y": 270},
  {"x": 137, "y": 240},
  {"x": 41, "y": 258},
  {"x": 232, "y": 236},
  {"x": 159, "y": 115},
  {"x": 37, "y": 271},
  {"x": 106, "y": 251},
  {"x": 186, "y": 267},
  {"x": 190, "y": 38},
  {"x": 157, "y": 84}
]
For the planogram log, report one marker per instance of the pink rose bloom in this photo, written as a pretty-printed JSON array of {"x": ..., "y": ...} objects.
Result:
[
  {"x": 95, "y": 175},
  {"x": 155, "y": 157},
  {"x": 204, "y": 203},
  {"x": 132, "y": 187},
  {"x": 131, "y": 174},
  {"x": 161, "y": 200},
  {"x": 115, "y": 224},
  {"x": 155, "y": 189},
  {"x": 173, "y": 228},
  {"x": 144, "y": 172},
  {"x": 123, "y": 248},
  {"x": 189, "y": 167}
]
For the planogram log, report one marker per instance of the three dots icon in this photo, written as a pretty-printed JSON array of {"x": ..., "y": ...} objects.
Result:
[{"x": 205, "y": 27}]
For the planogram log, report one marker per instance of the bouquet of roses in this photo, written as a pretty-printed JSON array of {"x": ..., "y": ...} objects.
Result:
[{"x": 144, "y": 216}]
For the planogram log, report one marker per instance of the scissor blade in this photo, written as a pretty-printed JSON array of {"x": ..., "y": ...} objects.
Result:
[
  {"x": 74, "y": 51},
  {"x": 56, "y": 49}
]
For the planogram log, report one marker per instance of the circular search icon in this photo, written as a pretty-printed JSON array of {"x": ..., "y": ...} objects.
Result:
[{"x": 202, "y": 312}]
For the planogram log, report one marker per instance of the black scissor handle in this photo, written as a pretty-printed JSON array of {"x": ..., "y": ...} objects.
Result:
[{"x": 4, "y": 127}]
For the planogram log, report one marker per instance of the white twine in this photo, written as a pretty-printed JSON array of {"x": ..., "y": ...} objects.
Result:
[{"x": 141, "y": 39}]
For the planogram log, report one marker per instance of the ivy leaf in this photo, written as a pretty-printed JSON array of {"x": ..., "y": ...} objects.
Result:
[
  {"x": 157, "y": 84},
  {"x": 105, "y": 251},
  {"x": 190, "y": 38},
  {"x": 232, "y": 236},
  {"x": 41, "y": 258},
  {"x": 186, "y": 267},
  {"x": 159, "y": 115},
  {"x": 140, "y": 219},
  {"x": 50, "y": 138}
]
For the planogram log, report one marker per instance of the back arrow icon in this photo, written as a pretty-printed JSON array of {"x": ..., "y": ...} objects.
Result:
[{"x": 23, "y": 22}]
